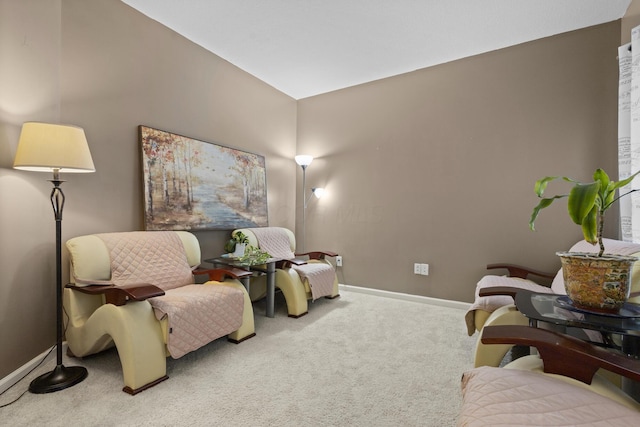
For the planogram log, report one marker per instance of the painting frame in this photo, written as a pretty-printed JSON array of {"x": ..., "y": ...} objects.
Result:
[{"x": 190, "y": 184}]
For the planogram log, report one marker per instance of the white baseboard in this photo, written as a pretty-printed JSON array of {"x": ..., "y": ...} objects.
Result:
[
  {"x": 408, "y": 297},
  {"x": 14, "y": 377}
]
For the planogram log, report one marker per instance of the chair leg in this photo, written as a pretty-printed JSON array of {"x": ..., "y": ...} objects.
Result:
[
  {"x": 293, "y": 291},
  {"x": 141, "y": 347},
  {"x": 294, "y": 316},
  {"x": 137, "y": 335}
]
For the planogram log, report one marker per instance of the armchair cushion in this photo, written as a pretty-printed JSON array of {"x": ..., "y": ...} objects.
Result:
[
  {"x": 198, "y": 314},
  {"x": 499, "y": 396},
  {"x": 320, "y": 277},
  {"x": 562, "y": 385}
]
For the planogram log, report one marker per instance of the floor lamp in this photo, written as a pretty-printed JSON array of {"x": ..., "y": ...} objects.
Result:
[
  {"x": 45, "y": 147},
  {"x": 305, "y": 160}
]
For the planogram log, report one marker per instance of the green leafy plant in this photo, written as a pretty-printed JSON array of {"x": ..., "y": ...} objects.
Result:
[
  {"x": 254, "y": 256},
  {"x": 587, "y": 203},
  {"x": 237, "y": 237}
]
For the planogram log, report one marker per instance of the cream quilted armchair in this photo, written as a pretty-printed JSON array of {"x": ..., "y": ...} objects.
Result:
[
  {"x": 136, "y": 290},
  {"x": 299, "y": 279}
]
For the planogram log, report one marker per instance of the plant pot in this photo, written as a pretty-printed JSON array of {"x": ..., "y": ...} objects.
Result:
[
  {"x": 239, "y": 251},
  {"x": 597, "y": 283}
]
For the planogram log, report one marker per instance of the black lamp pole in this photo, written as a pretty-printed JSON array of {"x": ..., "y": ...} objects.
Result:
[{"x": 61, "y": 377}]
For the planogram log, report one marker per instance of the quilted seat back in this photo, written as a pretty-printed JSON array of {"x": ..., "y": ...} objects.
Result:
[
  {"x": 90, "y": 260},
  {"x": 253, "y": 240}
]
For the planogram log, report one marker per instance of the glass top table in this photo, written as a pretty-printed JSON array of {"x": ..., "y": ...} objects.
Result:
[
  {"x": 268, "y": 268},
  {"x": 559, "y": 310}
]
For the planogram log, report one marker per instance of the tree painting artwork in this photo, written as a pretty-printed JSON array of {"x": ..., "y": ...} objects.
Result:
[{"x": 196, "y": 185}]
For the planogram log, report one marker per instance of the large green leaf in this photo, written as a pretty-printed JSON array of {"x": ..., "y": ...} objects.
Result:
[
  {"x": 590, "y": 226},
  {"x": 610, "y": 198},
  {"x": 602, "y": 177},
  {"x": 541, "y": 185},
  {"x": 607, "y": 192},
  {"x": 625, "y": 181},
  {"x": 582, "y": 199},
  {"x": 543, "y": 204}
]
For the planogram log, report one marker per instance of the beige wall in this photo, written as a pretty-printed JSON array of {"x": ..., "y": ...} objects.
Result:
[
  {"x": 434, "y": 166},
  {"x": 104, "y": 66},
  {"x": 29, "y": 90},
  {"x": 437, "y": 166}
]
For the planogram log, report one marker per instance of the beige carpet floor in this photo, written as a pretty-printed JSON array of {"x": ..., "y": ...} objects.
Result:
[{"x": 359, "y": 360}]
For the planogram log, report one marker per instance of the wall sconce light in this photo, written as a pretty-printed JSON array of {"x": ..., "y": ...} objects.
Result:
[
  {"x": 45, "y": 147},
  {"x": 304, "y": 161},
  {"x": 318, "y": 192}
]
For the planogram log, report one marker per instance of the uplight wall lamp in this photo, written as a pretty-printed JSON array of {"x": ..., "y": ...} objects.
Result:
[
  {"x": 304, "y": 161},
  {"x": 45, "y": 147}
]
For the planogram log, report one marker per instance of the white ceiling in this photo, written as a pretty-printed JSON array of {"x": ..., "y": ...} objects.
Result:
[{"x": 308, "y": 47}]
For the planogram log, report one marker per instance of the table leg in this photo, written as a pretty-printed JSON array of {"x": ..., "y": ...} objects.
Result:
[
  {"x": 271, "y": 288},
  {"x": 631, "y": 346},
  {"x": 246, "y": 282}
]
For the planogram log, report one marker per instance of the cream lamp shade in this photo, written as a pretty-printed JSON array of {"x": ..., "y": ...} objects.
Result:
[
  {"x": 304, "y": 160},
  {"x": 46, "y": 147}
]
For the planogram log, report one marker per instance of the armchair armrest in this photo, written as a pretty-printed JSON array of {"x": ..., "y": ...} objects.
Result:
[
  {"x": 286, "y": 263},
  {"x": 563, "y": 354},
  {"x": 219, "y": 274},
  {"x": 520, "y": 271},
  {"x": 120, "y": 295},
  {"x": 318, "y": 254},
  {"x": 499, "y": 290}
]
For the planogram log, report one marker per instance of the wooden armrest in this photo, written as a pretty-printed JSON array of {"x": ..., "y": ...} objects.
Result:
[
  {"x": 563, "y": 354},
  {"x": 286, "y": 263},
  {"x": 219, "y": 274},
  {"x": 120, "y": 295},
  {"x": 499, "y": 290},
  {"x": 318, "y": 254},
  {"x": 520, "y": 271}
]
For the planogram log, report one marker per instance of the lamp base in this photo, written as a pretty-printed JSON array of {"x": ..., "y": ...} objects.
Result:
[{"x": 58, "y": 379}]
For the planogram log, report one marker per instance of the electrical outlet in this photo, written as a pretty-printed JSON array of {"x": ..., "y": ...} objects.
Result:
[
  {"x": 416, "y": 268},
  {"x": 424, "y": 269},
  {"x": 339, "y": 261}
]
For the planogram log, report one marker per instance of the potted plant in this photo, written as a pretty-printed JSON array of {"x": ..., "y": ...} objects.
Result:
[
  {"x": 601, "y": 281},
  {"x": 237, "y": 244}
]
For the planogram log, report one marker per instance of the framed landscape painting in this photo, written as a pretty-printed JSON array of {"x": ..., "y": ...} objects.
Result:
[{"x": 196, "y": 185}]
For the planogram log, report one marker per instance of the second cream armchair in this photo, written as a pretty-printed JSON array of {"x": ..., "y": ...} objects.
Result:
[{"x": 296, "y": 289}]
